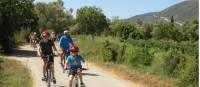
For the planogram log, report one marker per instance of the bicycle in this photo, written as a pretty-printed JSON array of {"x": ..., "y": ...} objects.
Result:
[
  {"x": 48, "y": 72},
  {"x": 75, "y": 82},
  {"x": 66, "y": 54}
]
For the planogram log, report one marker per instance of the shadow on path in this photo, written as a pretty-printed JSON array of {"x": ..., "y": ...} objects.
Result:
[
  {"x": 23, "y": 53},
  {"x": 90, "y": 74}
]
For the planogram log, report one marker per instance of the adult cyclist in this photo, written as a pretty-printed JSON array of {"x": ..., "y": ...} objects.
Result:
[
  {"x": 45, "y": 48},
  {"x": 65, "y": 42}
]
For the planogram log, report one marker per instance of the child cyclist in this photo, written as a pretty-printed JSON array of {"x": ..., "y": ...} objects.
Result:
[{"x": 74, "y": 64}]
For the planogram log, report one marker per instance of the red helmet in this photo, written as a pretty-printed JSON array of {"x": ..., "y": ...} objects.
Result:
[
  {"x": 45, "y": 34},
  {"x": 74, "y": 49}
]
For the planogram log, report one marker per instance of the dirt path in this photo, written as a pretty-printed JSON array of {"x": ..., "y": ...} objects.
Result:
[{"x": 94, "y": 77}]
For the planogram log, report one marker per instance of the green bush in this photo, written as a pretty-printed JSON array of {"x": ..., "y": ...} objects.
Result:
[
  {"x": 186, "y": 47},
  {"x": 167, "y": 60},
  {"x": 191, "y": 76},
  {"x": 109, "y": 51},
  {"x": 121, "y": 53},
  {"x": 20, "y": 37},
  {"x": 141, "y": 56},
  {"x": 174, "y": 63}
]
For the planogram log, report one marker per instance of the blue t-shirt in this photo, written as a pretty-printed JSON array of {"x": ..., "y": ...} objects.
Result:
[
  {"x": 74, "y": 63},
  {"x": 64, "y": 42}
]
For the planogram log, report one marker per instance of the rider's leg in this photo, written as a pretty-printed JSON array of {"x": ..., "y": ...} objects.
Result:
[
  {"x": 51, "y": 59},
  {"x": 61, "y": 57},
  {"x": 52, "y": 69},
  {"x": 70, "y": 79},
  {"x": 44, "y": 66},
  {"x": 80, "y": 75}
]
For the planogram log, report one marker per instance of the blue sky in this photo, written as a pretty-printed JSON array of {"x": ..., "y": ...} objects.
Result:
[{"x": 122, "y": 8}]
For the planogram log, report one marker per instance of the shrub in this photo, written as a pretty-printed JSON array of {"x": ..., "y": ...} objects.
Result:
[
  {"x": 191, "y": 76},
  {"x": 141, "y": 57},
  {"x": 174, "y": 63},
  {"x": 109, "y": 51},
  {"x": 121, "y": 53}
]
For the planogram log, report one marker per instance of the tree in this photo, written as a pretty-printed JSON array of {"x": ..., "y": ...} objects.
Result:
[
  {"x": 91, "y": 20},
  {"x": 190, "y": 30},
  {"x": 15, "y": 15},
  {"x": 53, "y": 16},
  {"x": 148, "y": 28},
  {"x": 172, "y": 21},
  {"x": 163, "y": 31},
  {"x": 139, "y": 21},
  {"x": 125, "y": 30}
]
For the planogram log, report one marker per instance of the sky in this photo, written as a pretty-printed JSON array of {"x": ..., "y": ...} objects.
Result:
[{"x": 121, "y": 8}]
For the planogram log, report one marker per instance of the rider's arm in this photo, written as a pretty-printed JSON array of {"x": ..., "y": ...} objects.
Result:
[
  {"x": 40, "y": 50},
  {"x": 60, "y": 44},
  {"x": 71, "y": 42},
  {"x": 54, "y": 47},
  {"x": 84, "y": 63},
  {"x": 66, "y": 64}
]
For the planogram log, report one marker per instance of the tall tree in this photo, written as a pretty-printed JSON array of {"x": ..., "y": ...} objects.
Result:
[
  {"x": 91, "y": 20},
  {"x": 15, "y": 15},
  {"x": 53, "y": 16}
]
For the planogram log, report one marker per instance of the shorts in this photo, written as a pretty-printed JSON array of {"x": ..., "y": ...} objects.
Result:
[
  {"x": 74, "y": 71},
  {"x": 51, "y": 59}
]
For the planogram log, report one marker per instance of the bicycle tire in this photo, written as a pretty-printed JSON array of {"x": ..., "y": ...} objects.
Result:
[
  {"x": 49, "y": 78},
  {"x": 76, "y": 82}
]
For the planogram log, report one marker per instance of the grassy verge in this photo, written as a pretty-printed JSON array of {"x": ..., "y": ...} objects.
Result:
[
  {"x": 14, "y": 74},
  {"x": 145, "y": 80},
  {"x": 154, "y": 66}
]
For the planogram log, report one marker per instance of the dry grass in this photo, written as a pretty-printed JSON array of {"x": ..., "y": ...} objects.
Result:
[
  {"x": 14, "y": 74},
  {"x": 126, "y": 74}
]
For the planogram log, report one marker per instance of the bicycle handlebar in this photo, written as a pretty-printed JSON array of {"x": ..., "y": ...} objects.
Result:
[{"x": 81, "y": 69}]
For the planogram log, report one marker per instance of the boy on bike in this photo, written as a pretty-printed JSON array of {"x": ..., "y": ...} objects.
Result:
[
  {"x": 65, "y": 42},
  {"x": 74, "y": 64},
  {"x": 45, "y": 48}
]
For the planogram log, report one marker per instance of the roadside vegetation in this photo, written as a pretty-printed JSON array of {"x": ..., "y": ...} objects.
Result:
[
  {"x": 164, "y": 50},
  {"x": 14, "y": 74},
  {"x": 144, "y": 60}
]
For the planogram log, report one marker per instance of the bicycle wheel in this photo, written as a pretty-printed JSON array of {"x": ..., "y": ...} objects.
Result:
[
  {"x": 48, "y": 78},
  {"x": 76, "y": 82}
]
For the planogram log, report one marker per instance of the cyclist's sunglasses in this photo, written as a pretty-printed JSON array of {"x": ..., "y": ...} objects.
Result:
[{"x": 74, "y": 51}]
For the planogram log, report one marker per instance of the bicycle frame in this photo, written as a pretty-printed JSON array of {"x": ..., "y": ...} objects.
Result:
[
  {"x": 75, "y": 82},
  {"x": 48, "y": 72}
]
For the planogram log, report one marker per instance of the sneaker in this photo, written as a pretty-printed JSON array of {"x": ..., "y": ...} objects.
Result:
[
  {"x": 54, "y": 80},
  {"x": 44, "y": 78},
  {"x": 82, "y": 84}
]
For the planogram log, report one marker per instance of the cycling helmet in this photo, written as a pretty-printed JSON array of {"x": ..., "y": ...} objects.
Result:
[
  {"x": 66, "y": 32},
  {"x": 74, "y": 49},
  {"x": 45, "y": 34}
]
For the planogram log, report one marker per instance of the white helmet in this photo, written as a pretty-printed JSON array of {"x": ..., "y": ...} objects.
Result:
[{"x": 66, "y": 32}]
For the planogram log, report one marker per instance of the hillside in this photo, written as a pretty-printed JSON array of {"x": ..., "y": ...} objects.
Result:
[{"x": 184, "y": 11}]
